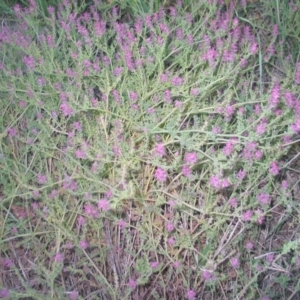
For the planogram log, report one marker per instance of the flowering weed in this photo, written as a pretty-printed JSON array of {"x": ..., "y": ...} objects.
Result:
[{"x": 148, "y": 156}]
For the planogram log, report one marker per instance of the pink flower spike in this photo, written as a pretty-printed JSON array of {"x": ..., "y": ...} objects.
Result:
[
  {"x": 160, "y": 150},
  {"x": 104, "y": 204},
  {"x": 186, "y": 171},
  {"x": 274, "y": 169},
  {"x": 233, "y": 202},
  {"x": 207, "y": 275},
  {"x": 83, "y": 244},
  {"x": 170, "y": 226},
  {"x": 264, "y": 198},
  {"x": 122, "y": 224},
  {"x": 190, "y": 158},
  {"x": 74, "y": 295},
  {"x": 160, "y": 175},
  {"x": 80, "y": 154},
  {"x": 12, "y": 131},
  {"x": 191, "y": 294},
  {"x": 154, "y": 264},
  {"x": 41, "y": 179},
  {"x": 4, "y": 293},
  {"x": 235, "y": 262},
  {"x": 247, "y": 216},
  {"x": 59, "y": 257},
  {"x": 177, "y": 264},
  {"x": 132, "y": 283},
  {"x": 171, "y": 241}
]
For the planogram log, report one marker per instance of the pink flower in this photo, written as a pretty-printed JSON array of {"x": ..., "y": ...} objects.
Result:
[
  {"x": 66, "y": 109},
  {"x": 275, "y": 95},
  {"x": 247, "y": 215},
  {"x": 91, "y": 211},
  {"x": 77, "y": 126},
  {"x": 274, "y": 169},
  {"x": 12, "y": 131},
  {"x": 178, "y": 103},
  {"x": 289, "y": 99},
  {"x": 29, "y": 62},
  {"x": 191, "y": 157},
  {"x": 74, "y": 295},
  {"x": 249, "y": 245},
  {"x": 284, "y": 184},
  {"x": 194, "y": 92},
  {"x": 80, "y": 154},
  {"x": 7, "y": 263},
  {"x": 154, "y": 264},
  {"x": 132, "y": 283},
  {"x": 177, "y": 81},
  {"x": 168, "y": 96},
  {"x": 260, "y": 216},
  {"x": 258, "y": 154},
  {"x": 59, "y": 257},
  {"x": 191, "y": 294},
  {"x": 207, "y": 275},
  {"x": 296, "y": 126},
  {"x": 99, "y": 28},
  {"x": 41, "y": 179},
  {"x": 235, "y": 262},
  {"x": 160, "y": 149},
  {"x": 298, "y": 261},
  {"x": 83, "y": 244},
  {"x": 228, "y": 149},
  {"x": 4, "y": 293},
  {"x": 270, "y": 257},
  {"x": 122, "y": 224},
  {"x": 253, "y": 48},
  {"x": 104, "y": 204},
  {"x": 163, "y": 77},
  {"x": 264, "y": 198},
  {"x": 81, "y": 220},
  {"x": 160, "y": 175},
  {"x": 261, "y": 128},
  {"x": 216, "y": 130},
  {"x": 171, "y": 241},
  {"x": 241, "y": 174},
  {"x": 170, "y": 226},
  {"x": 186, "y": 171},
  {"x": 176, "y": 264},
  {"x": 233, "y": 202}
]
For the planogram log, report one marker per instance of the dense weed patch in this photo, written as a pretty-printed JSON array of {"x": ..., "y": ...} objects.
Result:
[{"x": 149, "y": 157}]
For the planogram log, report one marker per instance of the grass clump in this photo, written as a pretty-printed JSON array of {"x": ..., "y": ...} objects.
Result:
[{"x": 148, "y": 157}]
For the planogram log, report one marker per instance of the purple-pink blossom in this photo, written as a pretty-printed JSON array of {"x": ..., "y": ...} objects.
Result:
[
  {"x": 41, "y": 179},
  {"x": 235, "y": 262},
  {"x": 170, "y": 226},
  {"x": 160, "y": 174},
  {"x": 186, "y": 171},
  {"x": 160, "y": 149},
  {"x": 83, "y": 244},
  {"x": 247, "y": 216},
  {"x": 104, "y": 204},
  {"x": 66, "y": 109},
  {"x": 191, "y": 157},
  {"x": 264, "y": 198},
  {"x": 274, "y": 169},
  {"x": 177, "y": 81},
  {"x": 132, "y": 283},
  {"x": 207, "y": 275},
  {"x": 80, "y": 154},
  {"x": 191, "y": 294},
  {"x": 228, "y": 149},
  {"x": 154, "y": 264}
]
